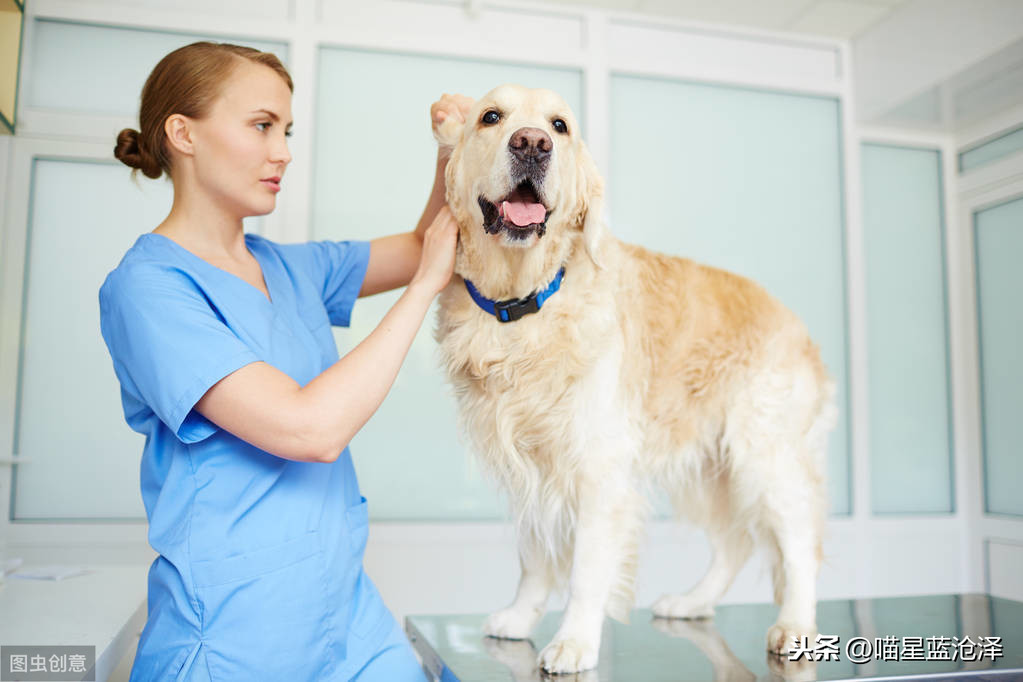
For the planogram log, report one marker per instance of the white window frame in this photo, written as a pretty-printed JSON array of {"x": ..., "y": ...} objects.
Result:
[{"x": 981, "y": 188}]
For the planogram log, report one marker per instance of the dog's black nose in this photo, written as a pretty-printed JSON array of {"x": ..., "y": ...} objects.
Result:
[{"x": 530, "y": 144}]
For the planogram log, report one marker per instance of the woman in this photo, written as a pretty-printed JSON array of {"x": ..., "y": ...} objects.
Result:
[{"x": 222, "y": 344}]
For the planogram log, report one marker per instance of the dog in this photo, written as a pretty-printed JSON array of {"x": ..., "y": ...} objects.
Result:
[{"x": 586, "y": 368}]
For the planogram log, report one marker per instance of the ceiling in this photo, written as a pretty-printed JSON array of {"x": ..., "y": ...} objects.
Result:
[
  {"x": 939, "y": 65},
  {"x": 832, "y": 18}
]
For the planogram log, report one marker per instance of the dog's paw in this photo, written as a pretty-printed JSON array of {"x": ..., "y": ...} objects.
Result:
[
  {"x": 511, "y": 623},
  {"x": 681, "y": 606},
  {"x": 783, "y": 637},
  {"x": 568, "y": 656}
]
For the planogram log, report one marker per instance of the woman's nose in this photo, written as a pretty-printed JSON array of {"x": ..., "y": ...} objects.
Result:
[{"x": 280, "y": 153}]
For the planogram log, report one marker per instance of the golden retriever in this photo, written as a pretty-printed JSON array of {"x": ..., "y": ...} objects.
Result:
[{"x": 641, "y": 368}]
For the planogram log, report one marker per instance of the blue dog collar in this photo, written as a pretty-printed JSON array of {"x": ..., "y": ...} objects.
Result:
[{"x": 513, "y": 309}]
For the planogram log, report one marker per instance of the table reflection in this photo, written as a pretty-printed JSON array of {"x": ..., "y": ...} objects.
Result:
[{"x": 731, "y": 646}]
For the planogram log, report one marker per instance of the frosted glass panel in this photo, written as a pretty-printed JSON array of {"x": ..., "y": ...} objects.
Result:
[
  {"x": 999, "y": 252},
  {"x": 85, "y": 459},
  {"x": 374, "y": 165},
  {"x": 744, "y": 180},
  {"x": 100, "y": 69},
  {"x": 1005, "y": 145},
  {"x": 910, "y": 452}
]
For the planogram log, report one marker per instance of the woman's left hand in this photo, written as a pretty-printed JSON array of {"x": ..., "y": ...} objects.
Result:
[{"x": 450, "y": 105}]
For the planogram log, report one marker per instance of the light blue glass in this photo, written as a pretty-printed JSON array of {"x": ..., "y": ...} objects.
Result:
[
  {"x": 1000, "y": 147},
  {"x": 101, "y": 69},
  {"x": 69, "y": 421},
  {"x": 745, "y": 180},
  {"x": 903, "y": 233},
  {"x": 998, "y": 232},
  {"x": 375, "y": 158},
  {"x": 84, "y": 458}
]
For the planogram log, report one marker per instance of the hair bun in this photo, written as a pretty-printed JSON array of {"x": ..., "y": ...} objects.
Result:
[
  {"x": 127, "y": 149},
  {"x": 128, "y": 152}
]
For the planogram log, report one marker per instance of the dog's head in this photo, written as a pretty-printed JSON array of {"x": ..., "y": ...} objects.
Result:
[{"x": 522, "y": 186}]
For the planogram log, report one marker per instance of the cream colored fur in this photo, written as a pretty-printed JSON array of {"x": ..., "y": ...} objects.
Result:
[{"x": 643, "y": 369}]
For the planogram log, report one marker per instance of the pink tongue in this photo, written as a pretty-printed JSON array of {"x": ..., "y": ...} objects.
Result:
[{"x": 523, "y": 214}]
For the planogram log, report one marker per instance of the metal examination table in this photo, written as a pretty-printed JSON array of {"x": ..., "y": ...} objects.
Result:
[{"x": 953, "y": 636}]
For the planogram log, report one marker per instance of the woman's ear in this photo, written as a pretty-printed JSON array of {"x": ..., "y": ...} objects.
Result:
[
  {"x": 177, "y": 129},
  {"x": 590, "y": 189}
]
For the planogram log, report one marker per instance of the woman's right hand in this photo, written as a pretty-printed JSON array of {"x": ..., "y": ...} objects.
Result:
[{"x": 437, "y": 261}]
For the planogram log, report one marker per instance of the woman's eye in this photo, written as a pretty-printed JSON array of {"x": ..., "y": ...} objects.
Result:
[
  {"x": 560, "y": 126},
  {"x": 262, "y": 126},
  {"x": 491, "y": 117},
  {"x": 287, "y": 133}
]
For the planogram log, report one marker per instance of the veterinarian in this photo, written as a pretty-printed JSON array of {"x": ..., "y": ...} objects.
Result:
[{"x": 222, "y": 344}]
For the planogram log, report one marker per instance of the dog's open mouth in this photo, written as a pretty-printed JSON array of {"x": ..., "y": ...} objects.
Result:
[{"x": 519, "y": 214}]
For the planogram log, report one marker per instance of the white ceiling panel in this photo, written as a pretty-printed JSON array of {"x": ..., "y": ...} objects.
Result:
[
  {"x": 839, "y": 18},
  {"x": 827, "y": 18},
  {"x": 768, "y": 14},
  {"x": 616, "y": 5}
]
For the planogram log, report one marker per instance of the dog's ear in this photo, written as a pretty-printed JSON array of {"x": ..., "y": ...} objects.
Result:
[
  {"x": 447, "y": 133},
  {"x": 590, "y": 198}
]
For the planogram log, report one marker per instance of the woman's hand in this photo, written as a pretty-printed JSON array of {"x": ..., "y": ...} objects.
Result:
[
  {"x": 449, "y": 105},
  {"x": 438, "y": 258}
]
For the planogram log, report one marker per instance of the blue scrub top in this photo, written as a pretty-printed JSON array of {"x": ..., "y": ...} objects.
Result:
[{"x": 259, "y": 574}]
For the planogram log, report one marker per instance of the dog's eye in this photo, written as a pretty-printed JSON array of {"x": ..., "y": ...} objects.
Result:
[
  {"x": 560, "y": 126},
  {"x": 491, "y": 117}
]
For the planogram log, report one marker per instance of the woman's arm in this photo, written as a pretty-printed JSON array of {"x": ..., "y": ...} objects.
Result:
[
  {"x": 393, "y": 260},
  {"x": 265, "y": 407}
]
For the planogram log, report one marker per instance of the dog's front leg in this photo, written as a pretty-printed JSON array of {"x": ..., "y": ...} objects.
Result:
[
  {"x": 535, "y": 583},
  {"x": 605, "y": 520}
]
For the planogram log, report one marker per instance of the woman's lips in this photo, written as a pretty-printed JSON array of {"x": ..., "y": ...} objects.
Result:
[{"x": 274, "y": 184}]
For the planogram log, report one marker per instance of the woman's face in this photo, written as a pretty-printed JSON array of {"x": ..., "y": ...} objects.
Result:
[{"x": 241, "y": 147}]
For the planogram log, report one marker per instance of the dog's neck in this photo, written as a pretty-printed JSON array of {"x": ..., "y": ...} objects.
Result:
[{"x": 507, "y": 273}]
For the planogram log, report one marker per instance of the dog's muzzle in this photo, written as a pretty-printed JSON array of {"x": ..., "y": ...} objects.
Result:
[{"x": 522, "y": 211}]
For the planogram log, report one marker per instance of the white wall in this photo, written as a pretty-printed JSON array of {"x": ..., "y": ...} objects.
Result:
[{"x": 5, "y": 152}]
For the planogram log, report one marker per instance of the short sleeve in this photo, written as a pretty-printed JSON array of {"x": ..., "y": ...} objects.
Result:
[
  {"x": 336, "y": 268},
  {"x": 168, "y": 345}
]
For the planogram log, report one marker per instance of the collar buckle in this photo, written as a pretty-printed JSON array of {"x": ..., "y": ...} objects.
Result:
[{"x": 515, "y": 309}]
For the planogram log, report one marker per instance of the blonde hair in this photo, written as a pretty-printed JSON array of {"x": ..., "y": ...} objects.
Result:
[{"x": 186, "y": 82}]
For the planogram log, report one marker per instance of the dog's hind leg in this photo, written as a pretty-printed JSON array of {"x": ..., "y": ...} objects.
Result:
[
  {"x": 731, "y": 548},
  {"x": 518, "y": 620},
  {"x": 793, "y": 516}
]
